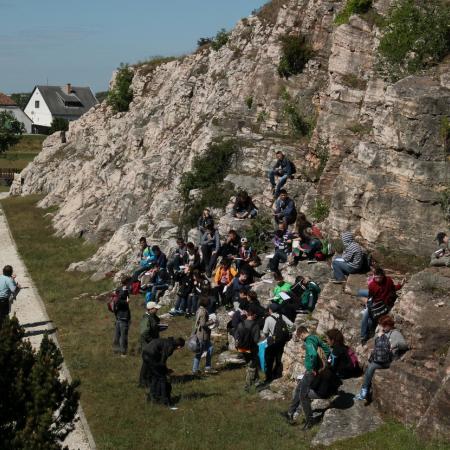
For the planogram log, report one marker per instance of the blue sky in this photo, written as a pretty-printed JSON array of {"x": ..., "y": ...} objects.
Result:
[{"x": 82, "y": 41}]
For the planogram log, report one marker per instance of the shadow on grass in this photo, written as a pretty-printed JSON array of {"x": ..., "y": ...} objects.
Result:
[
  {"x": 185, "y": 378},
  {"x": 230, "y": 366},
  {"x": 194, "y": 396}
]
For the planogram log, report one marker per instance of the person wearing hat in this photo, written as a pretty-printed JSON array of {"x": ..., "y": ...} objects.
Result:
[
  {"x": 149, "y": 330},
  {"x": 245, "y": 253},
  {"x": 276, "y": 330},
  {"x": 441, "y": 257}
]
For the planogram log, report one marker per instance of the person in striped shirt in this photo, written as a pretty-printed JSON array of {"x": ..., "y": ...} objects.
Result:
[{"x": 351, "y": 259}]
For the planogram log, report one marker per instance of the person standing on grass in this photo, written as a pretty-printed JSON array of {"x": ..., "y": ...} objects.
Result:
[
  {"x": 9, "y": 289},
  {"x": 123, "y": 318}
]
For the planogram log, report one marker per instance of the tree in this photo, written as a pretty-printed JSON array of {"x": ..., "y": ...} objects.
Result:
[
  {"x": 121, "y": 95},
  {"x": 11, "y": 131},
  {"x": 37, "y": 408},
  {"x": 59, "y": 124}
]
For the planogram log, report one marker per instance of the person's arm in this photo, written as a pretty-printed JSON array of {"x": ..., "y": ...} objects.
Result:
[
  {"x": 325, "y": 348},
  {"x": 216, "y": 241},
  {"x": 310, "y": 357},
  {"x": 288, "y": 168},
  {"x": 398, "y": 342},
  {"x": 266, "y": 328},
  {"x": 11, "y": 284},
  {"x": 288, "y": 322}
]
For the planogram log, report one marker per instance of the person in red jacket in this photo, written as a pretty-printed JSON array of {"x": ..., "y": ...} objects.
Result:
[{"x": 382, "y": 294}]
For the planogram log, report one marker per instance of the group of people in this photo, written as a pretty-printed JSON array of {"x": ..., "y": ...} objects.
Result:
[{"x": 223, "y": 272}]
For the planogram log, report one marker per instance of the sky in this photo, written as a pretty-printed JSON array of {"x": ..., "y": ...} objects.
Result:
[{"x": 83, "y": 41}]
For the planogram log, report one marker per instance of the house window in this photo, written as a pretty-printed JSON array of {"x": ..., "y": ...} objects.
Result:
[{"x": 36, "y": 104}]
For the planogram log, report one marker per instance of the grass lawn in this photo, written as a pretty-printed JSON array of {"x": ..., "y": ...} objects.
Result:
[
  {"x": 214, "y": 413},
  {"x": 21, "y": 154}
]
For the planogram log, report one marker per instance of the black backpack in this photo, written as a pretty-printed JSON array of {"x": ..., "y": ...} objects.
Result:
[
  {"x": 243, "y": 336},
  {"x": 366, "y": 262},
  {"x": 382, "y": 353},
  {"x": 293, "y": 168},
  {"x": 281, "y": 331}
]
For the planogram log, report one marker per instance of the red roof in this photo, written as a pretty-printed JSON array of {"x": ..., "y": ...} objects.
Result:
[{"x": 6, "y": 101}]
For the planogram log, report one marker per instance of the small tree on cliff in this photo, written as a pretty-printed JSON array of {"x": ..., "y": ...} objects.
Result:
[
  {"x": 11, "y": 131},
  {"x": 37, "y": 408},
  {"x": 121, "y": 95}
]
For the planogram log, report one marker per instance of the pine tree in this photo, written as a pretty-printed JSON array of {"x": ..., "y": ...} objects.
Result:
[{"x": 37, "y": 408}]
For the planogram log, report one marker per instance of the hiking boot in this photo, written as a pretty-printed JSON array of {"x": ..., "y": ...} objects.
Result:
[
  {"x": 307, "y": 425},
  {"x": 334, "y": 281},
  {"x": 210, "y": 371},
  {"x": 362, "y": 394},
  {"x": 290, "y": 418}
]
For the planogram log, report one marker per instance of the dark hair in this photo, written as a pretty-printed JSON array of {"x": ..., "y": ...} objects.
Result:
[
  {"x": 7, "y": 271},
  {"x": 232, "y": 232},
  {"x": 440, "y": 237},
  {"x": 180, "y": 240},
  {"x": 386, "y": 320},
  {"x": 156, "y": 248},
  {"x": 283, "y": 191},
  {"x": 143, "y": 239},
  {"x": 226, "y": 262},
  {"x": 252, "y": 309},
  {"x": 302, "y": 329},
  {"x": 125, "y": 281},
  {"x": 379, "y": 272},
  {"x": 335, "y": 336},
  {"x": 203, "y": 301},
  {"x": 190, "y": 246},
  {"x": 210, "y": 226},
  {"x": 278, "y": 275},
  {"x": 252, "y": 296},
  {"x": 179, "y": 342},
  {"x": 243, "y": 305},
  {"x": 256, "y": 259},
  {"x": 279, "y": 152}
]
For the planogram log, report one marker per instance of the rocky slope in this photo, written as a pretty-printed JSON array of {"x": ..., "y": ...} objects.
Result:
[{"x": 375, "y": 156}]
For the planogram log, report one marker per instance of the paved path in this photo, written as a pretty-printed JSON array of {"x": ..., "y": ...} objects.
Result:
[{"x": 30, "y": 311}]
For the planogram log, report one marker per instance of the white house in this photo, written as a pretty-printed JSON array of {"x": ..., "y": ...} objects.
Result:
[
  {"x": 66, "y": 102},
  {"x": 7, "y": 104}
]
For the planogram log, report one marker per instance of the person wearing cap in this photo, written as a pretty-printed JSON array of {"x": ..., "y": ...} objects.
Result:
[
  {"x": 149, "y": 330},
  {"x": 8, "y": 288},
  {"x": 245, "y": 253},
  {"x": 275, "y": 349},
  {"x": 441, "y": 257}
]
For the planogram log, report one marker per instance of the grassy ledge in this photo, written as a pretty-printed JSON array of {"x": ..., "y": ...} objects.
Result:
[{"x": 213, "y": 413}]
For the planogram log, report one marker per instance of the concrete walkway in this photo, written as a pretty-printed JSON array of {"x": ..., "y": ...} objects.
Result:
[{"x": 30, "y": 311}]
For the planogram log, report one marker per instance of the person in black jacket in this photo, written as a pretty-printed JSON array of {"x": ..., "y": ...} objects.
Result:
[
  {"x": 154, "y": 356},
  {"x": 123, "y": 318},
  {"x": 244, "y": 207},
  {"x": 340, "y": 361},
  {"x": 204, "y": 221},
  {"x": 185, "y": 286},
  {"x": 282, "y": 169}
]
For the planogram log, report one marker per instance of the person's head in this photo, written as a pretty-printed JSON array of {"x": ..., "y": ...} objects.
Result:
[
  {"x": 255, "y": 261},
  {"x": 302, "y": 332},
  {"x": 226, "y": 263},
  {"x": 7, "y": 271},
  {"x": 347, "y": 237},
  {"x": 143, "y": 242},
  {"x": 196, "y": 274},
  {"x": 156, "y": 250},
  {"x": 252, "y": 297},
  {"x": 210, "y": 227},
  {"x": 245, "y": 243},
  {"x": 190, "y": 247},
  {"x": 278, "y": 277},
  {"x": 282, "y": 227},
  {"x": 125, "y": 281},
  {"x": 280, "y": 155},
  {"x": 274, "y": 308},
  {"x": 180, "y": 242},
  {"x": 307, "y": 232},
  {"x": 179, "y": 343},
  {"x": 243, "y": 295},
  {"x": 243, "y": 277},
  {"x": 232, "y": 235},
  {"x": 379, "y": 275},
  {"x": 187, "y": 269},
  {"x": 283, "y": 194},
  {"x": 442, "y": 238},
  {"x": 387, "y": 323},
  {"x": 335, "y": 337},
  {"x": 252, "y": 312},
  {"x": 242, "y": 196},
  {"x": 152, "y": 307},
  {"x": 206, "y": 212},
  {"x": 203, "y": 301}
]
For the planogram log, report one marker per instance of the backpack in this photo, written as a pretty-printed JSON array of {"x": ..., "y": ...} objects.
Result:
[
  {"x": 353, "y": 358},
  {"x": 243, "y": 336},
  {"x": 377, "y": 310},
  {"x": 112, "y": 302},
  {"x": 281, "y": 331},
  {"x": 135, "y": 287},
  {"x": 382, "y": 353},
  {"x": 293, "y": 168},
  {"x": 366, "y": 262},
  {"x": 322, "y": 358}
]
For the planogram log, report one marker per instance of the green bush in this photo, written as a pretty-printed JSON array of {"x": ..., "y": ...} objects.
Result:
[
  {"x": 295, "y": 54},
  {"x": 259, "y": 232},
  {"x": 121, "y": 95},
  {"x": 59, "y": 124},
  {"x": 299, "y": 124},
  {"x": 11, "y": 130},
  {"x": 320, "y": 210},
  {"x": 220, "y": 40},
  {"x": 416, "y": 36},
  {"x": 249, "y": 102},
  {"x": 352, "y": 7}
]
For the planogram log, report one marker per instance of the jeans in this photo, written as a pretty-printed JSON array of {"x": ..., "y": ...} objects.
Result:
[
  {"x": 180, "y": 304},
  {"x": 363, "y": 293},
  {"x": 370, "y": 372},
  {"x": 139, "y": 271},
  {"x": 280, "y": 256},
  {"x": 156, "y": 288},
  {"x": 303, "y": 395},
  {"x": 281, "y": 181},
  {"x": 251, "y": 374},
  {"x": 209, "y": 259},
  {"x": 341, "y": 268},
  {"x": 367, "y": 325},
  {"x": 192, "y": 304},
  {"x": 274, "y": 367},
  {"x": 207, "y": 347},
  {"x": 251, "y": 215},
  {"x": 174, "y": 265},
  {"x": 121, "y": 336}
]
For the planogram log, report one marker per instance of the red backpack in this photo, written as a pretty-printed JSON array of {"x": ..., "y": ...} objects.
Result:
[
  {"x": 112, "y": 301},
  {"x": 353, "y": 358},
  {"x": 135, "y": 287}
]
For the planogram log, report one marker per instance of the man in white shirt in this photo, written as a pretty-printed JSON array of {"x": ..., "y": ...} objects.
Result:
[{"x": 8, "y": 288}]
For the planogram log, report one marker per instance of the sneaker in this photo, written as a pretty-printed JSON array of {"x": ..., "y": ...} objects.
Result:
[
  {"x": 210, "y": 371},
  {"x": 312, "y": 261},
  {"x": 333, "y": 280},
  {"x": 307, "y": 425},
  {"x": 362, "y": 394}
]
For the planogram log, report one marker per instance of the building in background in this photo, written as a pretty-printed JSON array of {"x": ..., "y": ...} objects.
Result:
[
  {"x": 8, "y": 104},
  {"x": 65, "y": 102}
]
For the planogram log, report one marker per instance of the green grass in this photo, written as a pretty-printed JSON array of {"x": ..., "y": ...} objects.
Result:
[
  {"x": 18, "y": 156},
  {"x": 213, "y": 413}
]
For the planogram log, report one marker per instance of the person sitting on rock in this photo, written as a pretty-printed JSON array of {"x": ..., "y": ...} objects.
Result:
[
  {"x": 250, "y": 268},
  {"x": 230, "y": 248},
  {"x": 382, "y": 292},
  {"x": 243, "y": 207},
  {"x": 155, "y": 355},
  {"x": 194, "y": 260},
  {"x": 159, "y": 283},
  {"x": 160, "y": 258},
  {"x": 185, "y": 286},
  {"x": 277, "y": 331},
  {"x": 441, "y": 257},
  {"x": 149, "y": 330},
  {"x": 283, "y": 247},
  {"x": 247, "y": 336},
  {"x": 284, "y": 209},
  {"x": 239, "y": 286},
  {"x": 178, "y": 258},
  {"x": 317, "y": 381},
  {"x": 204, "y": 221},
  {"x": 343, "y": 360},
  {"x": 281, "y": 287},
  {"x": 146, "y": 258},
  {"x": 245, "y": 253},
  {"x": 389, "y": 346},
  {"x": 223, "y": 278},
  {"x": 302, "y": 224},
  {"x": 306, "y": 292},
  {"x": 310, "y": 245},
  {"x": 210, "y": 243},
  {"x": 283, "y": 169},
  {"x": 350, "y": 261}
]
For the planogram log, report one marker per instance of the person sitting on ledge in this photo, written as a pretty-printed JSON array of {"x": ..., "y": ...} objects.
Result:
[
  {"x": 284, "y": 209},
  {"x": 243, "y": 207},
  {"x": 441, "y": 257},
  {"x": 350, "y": 261},
  {"x": 283, "y": 169}
]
